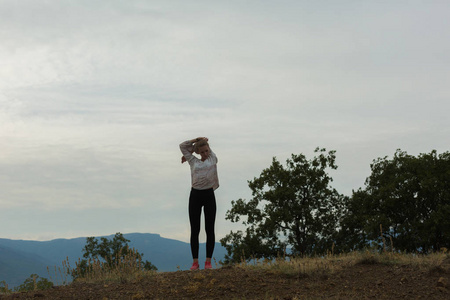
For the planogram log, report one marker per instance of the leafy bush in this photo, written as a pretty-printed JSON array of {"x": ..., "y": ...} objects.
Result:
[
  {"x": 32, "y": 284},
  {"x": 110, "y": 259}
]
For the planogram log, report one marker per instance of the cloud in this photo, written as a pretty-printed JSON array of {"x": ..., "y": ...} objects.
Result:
[{"x": 96, "y": 96}]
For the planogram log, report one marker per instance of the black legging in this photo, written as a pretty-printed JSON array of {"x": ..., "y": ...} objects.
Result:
[{"x": 197, "y": 199}]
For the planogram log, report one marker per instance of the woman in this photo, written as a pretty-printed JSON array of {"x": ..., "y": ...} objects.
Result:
[{"x": 204, "y": 182}]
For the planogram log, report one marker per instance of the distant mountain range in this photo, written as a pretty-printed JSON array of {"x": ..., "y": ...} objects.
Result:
[{"x": 19, "y": 259}]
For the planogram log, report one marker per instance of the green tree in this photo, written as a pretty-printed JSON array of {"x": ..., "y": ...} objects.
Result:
[
  {"x": 293, "y": 207},
  {"x": 110, "y": 251},
  {"x": 409, "y": 197},
  {"x": 34, "y": 282}
]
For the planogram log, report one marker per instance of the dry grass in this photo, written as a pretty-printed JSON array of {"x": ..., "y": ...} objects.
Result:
[
  {"x": 128, "y": 268},
  {"x": 330, "y": 264},
  {"x": 344, "y": 276},
  {"x": 61, "y": 274}
]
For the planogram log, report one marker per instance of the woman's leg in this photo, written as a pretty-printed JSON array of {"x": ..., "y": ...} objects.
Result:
[
  {"x": 210, "y": 218},
  {"x": 195, "y": 210}
]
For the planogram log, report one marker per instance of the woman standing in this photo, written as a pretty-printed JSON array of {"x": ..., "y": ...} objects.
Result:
[{"x": 204, "y": 181}]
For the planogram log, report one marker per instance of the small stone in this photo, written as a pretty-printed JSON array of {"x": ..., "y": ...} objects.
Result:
[{"x": 442, "y": 282}]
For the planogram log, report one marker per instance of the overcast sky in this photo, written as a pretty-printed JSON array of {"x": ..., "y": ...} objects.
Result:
[{"x": 96, "y": 96}]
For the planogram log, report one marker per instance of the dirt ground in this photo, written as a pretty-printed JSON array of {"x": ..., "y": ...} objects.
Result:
[{"x": 363, "y": 281}]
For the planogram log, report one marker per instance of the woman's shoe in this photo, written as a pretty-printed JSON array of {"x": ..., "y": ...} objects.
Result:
[
  {"x": 208, "y": 265},
  {"x": 195, "y": 266}
]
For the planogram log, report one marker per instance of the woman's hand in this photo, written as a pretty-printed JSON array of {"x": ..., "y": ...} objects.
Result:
[
  {"x": 183, "y": 159},
  {"x": 199, "y": 139}
]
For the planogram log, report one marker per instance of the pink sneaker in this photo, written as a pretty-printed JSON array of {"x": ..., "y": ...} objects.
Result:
[
  {"x": 208, "y": 265},
  {"x": 195, "y": 266}
]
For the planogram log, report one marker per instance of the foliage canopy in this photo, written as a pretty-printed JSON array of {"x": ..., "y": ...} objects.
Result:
[
  {"x": 294, "y": 210},
  {"x": 33, "y": 283},
  {"x": 111, "y": 251},
  {"x": 409, "y": 197}
]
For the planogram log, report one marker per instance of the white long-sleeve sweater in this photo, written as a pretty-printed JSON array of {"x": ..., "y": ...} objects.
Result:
[{"x": 203, "y": 173}]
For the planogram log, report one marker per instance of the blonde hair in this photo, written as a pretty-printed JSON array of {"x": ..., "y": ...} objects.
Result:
[{"x": 200, "y": 144}]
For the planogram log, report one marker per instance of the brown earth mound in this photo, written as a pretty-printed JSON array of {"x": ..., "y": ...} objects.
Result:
[{"x": 362, "y": 281}]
